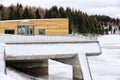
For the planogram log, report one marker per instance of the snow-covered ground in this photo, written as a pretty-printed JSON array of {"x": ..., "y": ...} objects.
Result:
[
  {"x": 107, "y": 65},
  {"x": 103, "y": 67}
]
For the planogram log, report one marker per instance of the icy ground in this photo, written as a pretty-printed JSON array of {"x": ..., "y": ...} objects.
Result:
[
  {"x": 107, "y": 65},
  {"x": 103, "y": 67}
]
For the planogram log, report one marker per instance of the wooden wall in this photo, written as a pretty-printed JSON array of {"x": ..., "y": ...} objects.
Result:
[
  {"x": 8, "y": 26},
  {"x": 52, "y": 26}
]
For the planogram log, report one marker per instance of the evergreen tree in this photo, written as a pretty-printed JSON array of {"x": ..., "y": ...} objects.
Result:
[
  {"x": 52, "y": 13},
  {"x": 19, "y": 11},
  {"x": 1, "y": 12},
  {"x": 110, "y": 27},
  {"x": 119, "y": 27},
  {"x": 62, "y": 12},
  {"x": 26, "y": 13},
  {"x": 12, "y": 13},
  {"x": 68, "y": 13},
  {"x": 37, "y": 14}
]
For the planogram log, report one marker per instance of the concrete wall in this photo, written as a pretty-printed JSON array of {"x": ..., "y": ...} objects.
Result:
[
  {"x": 74, "y": 61},
  {"x": 2, "y": 59}
]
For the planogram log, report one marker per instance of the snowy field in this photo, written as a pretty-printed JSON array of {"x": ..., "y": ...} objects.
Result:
[
  {"x": 103, "y": 67},
  {"x": 107, "y": 65}
]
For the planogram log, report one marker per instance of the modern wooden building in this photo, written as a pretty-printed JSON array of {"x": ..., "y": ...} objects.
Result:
[{"x": 55, "y": 27}]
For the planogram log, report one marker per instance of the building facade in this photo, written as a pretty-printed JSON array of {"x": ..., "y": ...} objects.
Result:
[{"x": 55, "y": 27}]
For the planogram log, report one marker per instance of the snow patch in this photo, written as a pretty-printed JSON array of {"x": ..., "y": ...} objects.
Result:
[
  {"x": 60, "y": 70},
  {"x": 109, "y": 39}
]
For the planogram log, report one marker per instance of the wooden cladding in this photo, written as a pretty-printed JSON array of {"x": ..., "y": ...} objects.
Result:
[{"x": 50, "y": 26}]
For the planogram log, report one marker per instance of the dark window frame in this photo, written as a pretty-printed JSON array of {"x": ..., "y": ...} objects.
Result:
[
  {"x": 42, "y": 30},
  {"x": 6, "y": 31},
  {"x": 29, "y": 30}
]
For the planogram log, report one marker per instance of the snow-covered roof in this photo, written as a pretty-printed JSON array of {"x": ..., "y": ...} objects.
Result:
[{"x": 28, "y": 20}]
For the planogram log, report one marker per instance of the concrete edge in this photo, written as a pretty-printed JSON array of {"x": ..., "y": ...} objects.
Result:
[
  {"x": 38, "y": 57},
  {"x": 59, "y": 42}
]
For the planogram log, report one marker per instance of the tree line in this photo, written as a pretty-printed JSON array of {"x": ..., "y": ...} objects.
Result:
[
  {"x": 79, "y": 21},
  {"x": 15, "y": 12}
]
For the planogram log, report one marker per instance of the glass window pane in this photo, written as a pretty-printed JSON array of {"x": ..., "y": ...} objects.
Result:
[
  {"x": 42, "y": 32},
  {"x": 23, "y": 30},
  {"x": 19, "y": 29},
  {"x": 26, "y": 30}
]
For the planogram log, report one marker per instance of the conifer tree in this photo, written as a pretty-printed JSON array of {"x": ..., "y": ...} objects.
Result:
[
  {"x": 12, "y": 13},
  {"x": 26, "y": 13},
  {"x": 1, "y": 12},
  {"x": 62, "y": 12},
  {"x": 37, "y": 14},
  {"x": 19, "y": 11}
]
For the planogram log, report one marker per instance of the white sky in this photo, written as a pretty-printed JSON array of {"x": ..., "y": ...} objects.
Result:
[{"x": 103, "y": 7}]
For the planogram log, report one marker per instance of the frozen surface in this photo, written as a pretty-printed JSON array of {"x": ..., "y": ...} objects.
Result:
[
  {"x": 107, "y": 65},
  {"x": 109, "y": 39}
]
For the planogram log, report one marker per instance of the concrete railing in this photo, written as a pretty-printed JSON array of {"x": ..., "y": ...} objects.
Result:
[{"x": 20, "y": 38}]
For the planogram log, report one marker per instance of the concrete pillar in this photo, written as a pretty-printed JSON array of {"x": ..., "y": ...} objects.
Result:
[
  {"x": 43, "y": 68},
  {"x": 2, "y": 58},
  {"x": 74, "y": 61},
  {"x": 85, "y": 66}
]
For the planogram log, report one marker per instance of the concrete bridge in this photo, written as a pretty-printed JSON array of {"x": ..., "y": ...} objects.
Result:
[{"x": 32, "y": 58}]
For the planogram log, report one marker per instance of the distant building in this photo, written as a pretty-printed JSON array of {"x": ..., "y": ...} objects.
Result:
[{"x": 35, "y": 27}]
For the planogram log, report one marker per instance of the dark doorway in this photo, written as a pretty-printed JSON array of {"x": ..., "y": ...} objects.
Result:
[{"x": 9, "y": 32}]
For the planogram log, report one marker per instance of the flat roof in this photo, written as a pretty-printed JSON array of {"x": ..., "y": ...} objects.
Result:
[{"x": 28, "y": 20}]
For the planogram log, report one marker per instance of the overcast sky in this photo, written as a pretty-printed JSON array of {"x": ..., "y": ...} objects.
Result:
[{"x": 102, "y": 7}]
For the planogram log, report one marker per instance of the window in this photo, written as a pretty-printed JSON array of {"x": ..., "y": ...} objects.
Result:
[
  {"x": 26, "y": 30},
  {"x": 9, "y": 32},
  {"x": 42, "y": 32}
]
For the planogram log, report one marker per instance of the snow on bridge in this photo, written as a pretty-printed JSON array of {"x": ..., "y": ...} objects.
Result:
[
  {"x": 35, "y": 56},
  {"x": 7, "y": 38}
]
